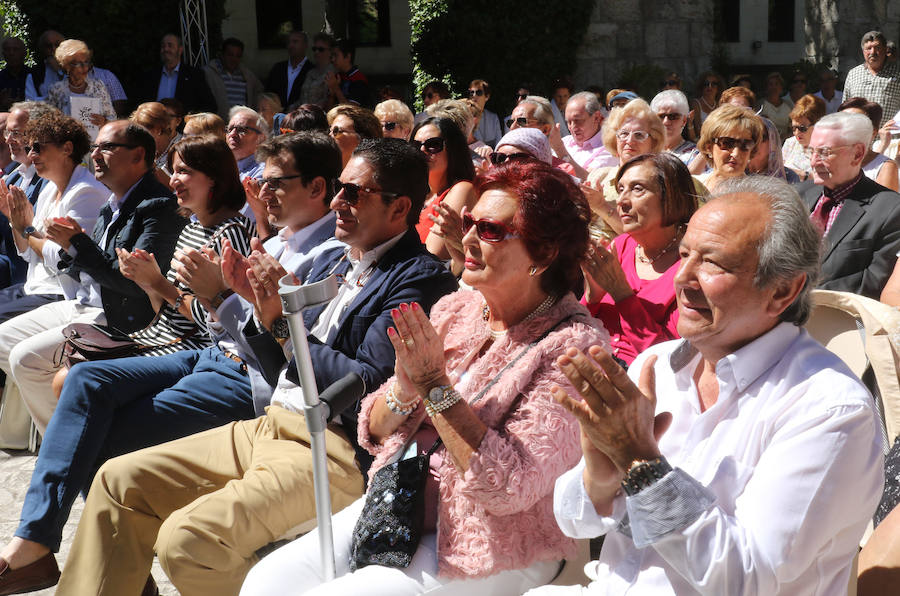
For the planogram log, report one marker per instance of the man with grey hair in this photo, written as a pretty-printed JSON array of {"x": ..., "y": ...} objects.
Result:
[
  {"x": 744, "y": 458},
  {"x": 583, "y": 148},
  {"x": 859, "y": 218},
  {"x": 875, "y": 79},
  {"x": 535, "y": 112},
  {"x": 245, "y": 132}
]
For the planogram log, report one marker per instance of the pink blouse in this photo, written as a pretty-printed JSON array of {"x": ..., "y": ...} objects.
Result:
[{"x": 647, "y": 317}]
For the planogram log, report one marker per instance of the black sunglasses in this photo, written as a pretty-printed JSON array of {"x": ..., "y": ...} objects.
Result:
[
  {"x": 498, "y": 158},
  {"x": 729, "y": 143},
  {"x": 521, "y": 95},
  {"x": 521, "y": 121},
  {"x": 351, "y": 192},
  {"x": 433, "y": 146},
  {"x": 389, "y": 125},
  {"x": 36, "y": 147},
  {"x": 275, "y": 182},
  {"x": 476, "y": 92},
  {"x": 670, "y": 116},
  {"x": 799, "y": 127}
]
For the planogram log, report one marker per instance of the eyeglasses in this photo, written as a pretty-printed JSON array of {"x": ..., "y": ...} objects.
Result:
[
  {"x": 671, "y": 116},
  {"x": 241, "y": 130},
  {"x": 351, "y": 192},
  {"x": 799, "y": 127},
  {"x": 318, "y": 49},
  {"x": 275, "y": 182},
  {"x": 476, "y": 92},
  {"x": 389, "y": 125},
  {"x": 637, "y": 135},
  {"x": 12, "y": 134},
  {"x": 36, "y": 147},
  {"x": 80, "y": 64},
  {"x": 432, "y": 146},
  {"x": 520, "y": 121},
  {"x": 337, "y": 131},
  {"x": 109, "y": 147},
  {"x": 671, "y": 83},
  {"x": 710, "y": 83},
  {"x": 521, "y": 96},
  {"x": 487, "y": 230},
  {"x": 729, "y": 143},
  {"x": 498, "y": 158},
  {"x": 824, "y": 152}
]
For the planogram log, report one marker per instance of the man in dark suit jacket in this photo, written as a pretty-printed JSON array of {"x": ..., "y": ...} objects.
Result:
[
  {"x": 176, "y": 79},
  {"x": 271, "y": 491},
  {"x": 286, "y": 78},
  {"x": 96, "y": 291},
  {"x": 859, "y": 217}
]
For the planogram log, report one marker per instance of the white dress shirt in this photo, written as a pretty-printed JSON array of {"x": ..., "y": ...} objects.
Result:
[
  {"x": 591, "y": 154},
  {"x": 773, "y": 485},
  {"x": 292, "y": 73}
]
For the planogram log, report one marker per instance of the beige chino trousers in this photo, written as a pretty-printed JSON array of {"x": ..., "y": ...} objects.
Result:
[{"x": 205, "y": 504}]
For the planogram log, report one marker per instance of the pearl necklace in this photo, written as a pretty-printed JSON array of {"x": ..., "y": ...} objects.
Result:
[
  {"x": 643, "y": 258},
  {"x": 543, "y": 307}
]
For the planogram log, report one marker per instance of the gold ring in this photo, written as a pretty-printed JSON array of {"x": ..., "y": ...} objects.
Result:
[{"x": 409, "y": 342}]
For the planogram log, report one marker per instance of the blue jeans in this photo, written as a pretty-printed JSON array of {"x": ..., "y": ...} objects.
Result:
[{"x": 112, "y": 407}]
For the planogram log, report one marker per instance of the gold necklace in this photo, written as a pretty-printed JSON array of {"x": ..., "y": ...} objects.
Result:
[{"x": 643, "y": 258}]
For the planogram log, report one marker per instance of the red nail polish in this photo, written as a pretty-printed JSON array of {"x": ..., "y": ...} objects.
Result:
[
  {"x": 415, "y": 306},
  {"x": 395, "y": 313},
  {"x": 404, "y": 307},
  {"x": 391, "y": 331}
]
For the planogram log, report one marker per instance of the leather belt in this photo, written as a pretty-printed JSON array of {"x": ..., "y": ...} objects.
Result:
[{"x": 236, "y": 358}]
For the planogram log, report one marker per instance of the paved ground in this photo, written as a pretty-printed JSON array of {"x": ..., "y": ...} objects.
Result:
[{"x": 15, "y": 474}]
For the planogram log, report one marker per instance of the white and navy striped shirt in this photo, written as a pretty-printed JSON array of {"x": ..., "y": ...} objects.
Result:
[{"x": 171, "y": 331}]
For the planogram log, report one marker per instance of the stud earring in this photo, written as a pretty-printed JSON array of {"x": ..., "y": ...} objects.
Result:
[{"x": 532, "y": 270}]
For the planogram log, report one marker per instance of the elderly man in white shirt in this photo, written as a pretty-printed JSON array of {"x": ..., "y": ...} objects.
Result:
[
  {"x": 749, "y": 458},
  {"x": 584, "y": 147}
]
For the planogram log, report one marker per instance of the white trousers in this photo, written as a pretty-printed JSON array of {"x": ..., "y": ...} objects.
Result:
[
  {"x": 28, "y": 344},
  {"x": 296, "y": 569}
]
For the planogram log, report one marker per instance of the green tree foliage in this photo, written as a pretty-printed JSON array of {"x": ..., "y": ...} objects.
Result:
[
  {"x": 505, "y": 42},
  {"x": 14, "y": 24},
  {"x": 123, "y": 34}
]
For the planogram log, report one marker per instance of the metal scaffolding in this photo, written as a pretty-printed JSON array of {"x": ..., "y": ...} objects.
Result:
[{"x": 193, "y": 32}]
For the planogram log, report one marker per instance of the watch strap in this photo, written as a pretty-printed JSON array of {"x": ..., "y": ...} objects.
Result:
[{"x": 643, "y": 474}]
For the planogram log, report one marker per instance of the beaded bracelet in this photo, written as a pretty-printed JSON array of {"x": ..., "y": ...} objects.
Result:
[
  {"x": 439, "y": 399},
  {"x": 401, "y": 408}
]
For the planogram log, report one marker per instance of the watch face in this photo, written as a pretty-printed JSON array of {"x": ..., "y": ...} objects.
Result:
[{"x": 280, "y": 328}]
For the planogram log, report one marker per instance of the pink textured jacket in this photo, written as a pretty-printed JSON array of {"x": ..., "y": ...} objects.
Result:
[{"x": 498, "y": 515}]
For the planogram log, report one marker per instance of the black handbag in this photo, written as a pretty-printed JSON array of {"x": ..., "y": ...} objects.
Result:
[{"x": 390, "y": 526}]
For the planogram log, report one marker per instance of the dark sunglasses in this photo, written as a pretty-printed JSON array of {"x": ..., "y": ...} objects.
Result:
[
  {"x": 432, "y": 146},
  {"x": 476, "y": 92},
  {"x": 521, "y": 121},
  {"x": 109, "y": 147},
  {"x": 275, "y": 182},
  {"x": 729, "y": 143},
  {"x": 673, "y": 117},
  {"x": 351, "y": 192},
  {"x": 319, "y": 49},
  {"x": 710, "y": 84},
  {"x": 521, "y": 95},
  {"x": 799, "y": 128},
  {"x": 36, "y": 147},
  {"x": 389, "y": 125},
  {"x": 498, "y": 158},
  {"x": 487, "y": 230}
]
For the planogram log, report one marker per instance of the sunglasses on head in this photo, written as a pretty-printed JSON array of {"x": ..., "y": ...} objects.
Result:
[
  {"x": 487, "y": 230},
  {"x": 498, "y": 158},
  {"x": 476, "y": 92},
  {"x": 432, "y": 146},
  {"x": 389, "y": 125},
  {"x": 672, "y": 116},
  {"x": 521, "y": 121},
  {"x": 351, "y": 192},
  {"x": 729, "y": 143}
]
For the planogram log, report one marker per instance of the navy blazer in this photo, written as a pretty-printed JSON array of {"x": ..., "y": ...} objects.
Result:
[
  {"x": 12, "y": 267},
  {"x": 407, "y": 273},
  {"x": 148, "y": 219},
  {"x": 191, "y": 89},
  {"x": 861, "y": 247},
  {"x": 278, "y": 82}
]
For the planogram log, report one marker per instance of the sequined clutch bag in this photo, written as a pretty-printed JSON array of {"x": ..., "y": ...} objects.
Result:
[{"x": 390, "y": 527}]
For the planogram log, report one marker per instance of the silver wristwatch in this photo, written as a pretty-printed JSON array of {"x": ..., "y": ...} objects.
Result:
[
  {"x": 440, "y": 398},
  {"x": 644, "y": 473}
]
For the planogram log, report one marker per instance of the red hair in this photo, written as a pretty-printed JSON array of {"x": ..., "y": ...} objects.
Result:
[{"x": 552, "y": 217}]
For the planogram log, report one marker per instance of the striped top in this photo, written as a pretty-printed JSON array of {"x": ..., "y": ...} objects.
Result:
[{"x": 171, "y": 331}]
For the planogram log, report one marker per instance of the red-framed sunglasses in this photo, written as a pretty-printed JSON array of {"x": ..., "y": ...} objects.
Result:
[{"x": 488, "y": 230}]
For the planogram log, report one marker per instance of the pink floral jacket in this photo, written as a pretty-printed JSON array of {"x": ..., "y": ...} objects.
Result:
[{"x": 498, "y": 515}]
